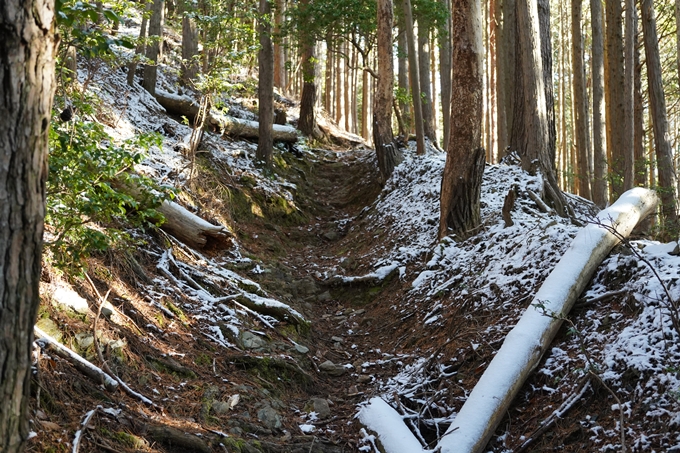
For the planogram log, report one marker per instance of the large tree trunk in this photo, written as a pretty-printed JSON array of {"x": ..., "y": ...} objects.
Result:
[
  {"x": 190, "y": 65},
  {"x": 414, "y": 78},
  {"x": 462, "y": 180},
  {"x": 424, "y": 77},
  {"x": 523, "y": 347},
  {"x": 614, "y": 100},
  {"x": 599, "y": 137},
  {"x": 581, "y": 126},
  {"x": 507, "y": 62},
  {"x": 153, "y": 50},
  {"x": 657, "y": 107},
  {"x": 385, "y": 147},
  {"x": 531, "y": 134},
  {"x": 402, "y": 76},
  {"x": 265, "y": 86},
  {"x": 27, "y": 52}
]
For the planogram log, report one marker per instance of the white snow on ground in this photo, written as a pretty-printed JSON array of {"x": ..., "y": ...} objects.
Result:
[{"x": 499, "y": 270}]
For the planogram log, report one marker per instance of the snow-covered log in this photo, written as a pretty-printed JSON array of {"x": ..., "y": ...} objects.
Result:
[
  {"x": 182, "y": 105},
  {"x": 190, "y": 228},
  {"x": 531, "y": 337},
  {"x": 394, "y": 435}
]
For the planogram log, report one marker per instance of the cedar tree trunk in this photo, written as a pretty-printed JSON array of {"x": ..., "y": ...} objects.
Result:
[
  {"x": 462, "y": 180},
  {"x": 27, "y": 52},
  {"x": 265, "y": 87}
]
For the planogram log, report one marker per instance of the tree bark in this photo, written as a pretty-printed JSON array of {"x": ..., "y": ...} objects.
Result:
[
  {"x": 614, "y": 100},
  {"x": 265, "y": 86},
  {"x": 628, "y": 126},
  {"x": 153, "y": 50},
  {"x": 462, "y": 180},
  {"x": 546, "y": 62},
  {"x": 641, "y": 161},
  {"x": 507, "y": 62},
  {"x": 530, "y": 338},
  {"x": 386, "y": 149},
  {"x": 445, "y": 73},
  {"x": 531, "y": 135},
  {"x": 279, "y": 57},
  {"x": 402, "y": 76},
  {"x": 657, "y": 106},
  {"x": 307, "y": 123},
  {"x": 414, "y": 78},
  {"x": 579, "y": 93},
  {"x": 599, "y": 136},
  {"x": 190, "y": 65},
  {"x": 424, "y": 77},
  {"x": 27, "y": 52}
]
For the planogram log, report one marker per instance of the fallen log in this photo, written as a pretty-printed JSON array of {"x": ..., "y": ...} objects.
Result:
[
  {"x": 185, "y": 106},
  {"x": 192, "y": 229},
  {"x": 530, "y": 338}
]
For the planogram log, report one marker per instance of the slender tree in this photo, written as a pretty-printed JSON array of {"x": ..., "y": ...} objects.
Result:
[
  {"x": 628, "y": 127},
  {"x": 579, "y": 93},
  {"x": 265, "y": 86},
  {"x": 307, "y": 123},
  {"x": 462, "y": 180},
  {"x": 190, "y": 65},
  {"x": 599, "y": 135},
  {"x": 153, "y": 49},
  {"x": 424, "y": 78},
  {"x": 383, "y": 138},
  {"x": 614, "y": 100},
  {"x": 445, "y": 72},
  {"x": 657, "y": 106},
  {"x": 27, "y": 52},
  {"x": 414, "y": 78}
]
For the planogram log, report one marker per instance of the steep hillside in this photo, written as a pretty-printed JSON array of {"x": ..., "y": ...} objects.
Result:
[{"x": 332, "y": 290}]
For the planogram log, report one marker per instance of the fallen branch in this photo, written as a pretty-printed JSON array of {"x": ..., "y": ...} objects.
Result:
[
  {"x": 182, "y": 105},
  {"x": 546, "y": 424},
  {"x": 530, "y": 338},
  {"x": 90, "y": 370},
  {"x": 122, "y": 384},
  {"x": 86, "y": 421}
]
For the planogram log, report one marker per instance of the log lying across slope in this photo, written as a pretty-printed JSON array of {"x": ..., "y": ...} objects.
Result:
[
  {"x": 527, "y": 341},
  {"x": 530, "y": 338},
  {"x": 183, "y": 105}
]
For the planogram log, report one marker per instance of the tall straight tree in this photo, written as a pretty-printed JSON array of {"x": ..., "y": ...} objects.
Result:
[
  {"x": 424, "y": 77},
  {"x": 657, "y": 107},
  {"x": 153, "y": 49},
  {"x": 579, "y": 84},
  {"x": 531, "y": 132},
  {"x": 265, "y": 86},
  {"x": 599, "y": 137},
  {"x": 27, "y": 52},
  {"x": 614, "y": 99},
  {"x": 383, "y": 138},
  {"x": 414, "y": 78},
  {"x": 628, "y": 127},
  {"x": 462, "y": 180},
  {"x": 445, "y": 69},
  {"x": 307, "y": 123}
]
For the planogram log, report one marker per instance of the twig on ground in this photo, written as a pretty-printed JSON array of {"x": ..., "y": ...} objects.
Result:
[
  {"x": 83, "y": 427},
  {"x": 105, "y": 366},
  {"x": 546, "y": 424}
]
